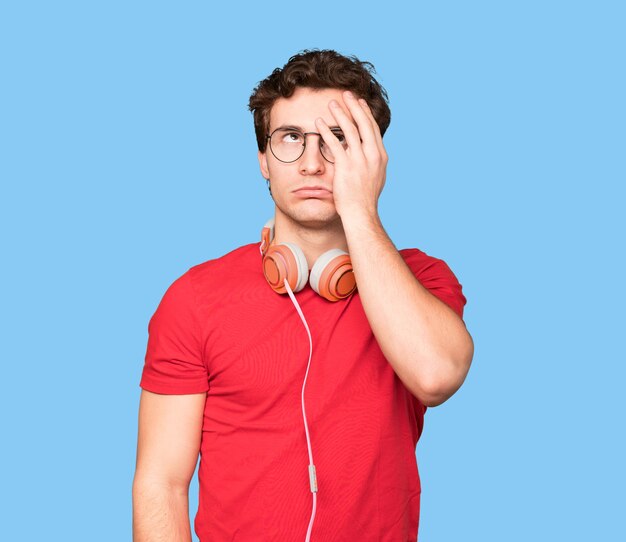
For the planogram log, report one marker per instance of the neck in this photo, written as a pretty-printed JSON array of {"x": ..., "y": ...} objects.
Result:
[{"x": 313, "y": 238}]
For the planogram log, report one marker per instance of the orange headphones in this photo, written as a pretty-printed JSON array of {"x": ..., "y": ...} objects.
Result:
[{"x": 331, "y": 275}]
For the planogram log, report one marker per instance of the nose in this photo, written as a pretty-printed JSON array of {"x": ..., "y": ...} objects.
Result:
[{"x": 312, "y": 162}]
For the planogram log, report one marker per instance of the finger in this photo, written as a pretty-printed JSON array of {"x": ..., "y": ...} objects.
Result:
[
  {"x": 363, "y": 122},
  {"x": 375, "y": 127},
  {"x": 348, "y": 127},
  {"x": 330, "y": 139}
]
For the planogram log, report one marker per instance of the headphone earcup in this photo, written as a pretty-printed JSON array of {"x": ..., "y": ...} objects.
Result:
[
  {"x": 332, "y": 276},
  {"x": 285, "y": 261}
]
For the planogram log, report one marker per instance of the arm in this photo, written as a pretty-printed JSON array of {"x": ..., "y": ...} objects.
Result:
[
  {"x": 424, "y": 340},
  {"x": 170, "y": 429}
]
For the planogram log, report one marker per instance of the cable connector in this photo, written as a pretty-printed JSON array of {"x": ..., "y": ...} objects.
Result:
[{"x": 313, "y": 478}]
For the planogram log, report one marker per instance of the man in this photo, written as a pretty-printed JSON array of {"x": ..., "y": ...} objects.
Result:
[{"x": 306, "y": 407}]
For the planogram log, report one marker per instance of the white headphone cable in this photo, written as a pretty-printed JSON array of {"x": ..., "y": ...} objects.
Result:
[{"x": 312, "y": 474}]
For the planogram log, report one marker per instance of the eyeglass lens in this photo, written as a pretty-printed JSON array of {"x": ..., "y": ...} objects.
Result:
[{"x": 288, "y": 145}]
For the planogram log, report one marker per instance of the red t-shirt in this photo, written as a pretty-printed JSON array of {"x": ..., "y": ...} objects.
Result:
[{"x": 221, "y": 329}]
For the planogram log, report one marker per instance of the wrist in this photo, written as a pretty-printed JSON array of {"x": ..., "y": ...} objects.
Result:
[{"x": 360, "y": 218}]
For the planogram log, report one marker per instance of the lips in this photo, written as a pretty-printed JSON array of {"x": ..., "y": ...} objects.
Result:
[{"x": 313, "y": 192}]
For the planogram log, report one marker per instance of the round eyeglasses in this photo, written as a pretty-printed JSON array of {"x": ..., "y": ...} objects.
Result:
[{"x": 288, "y": 144}]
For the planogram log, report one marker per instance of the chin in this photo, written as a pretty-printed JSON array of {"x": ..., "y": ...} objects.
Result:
[{"x": 311, "y": 216}]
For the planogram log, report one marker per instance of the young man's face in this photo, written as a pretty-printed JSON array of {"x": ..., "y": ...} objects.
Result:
[{"x": 302, "y": 189}]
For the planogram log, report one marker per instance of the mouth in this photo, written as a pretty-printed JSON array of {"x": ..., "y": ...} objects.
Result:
[{"x": 313, "y": 192}]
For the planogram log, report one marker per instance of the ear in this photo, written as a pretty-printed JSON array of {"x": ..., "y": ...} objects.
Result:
[{"x": 263, "y": 165}]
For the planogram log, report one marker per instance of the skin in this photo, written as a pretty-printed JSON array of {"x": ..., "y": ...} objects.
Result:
[
  {"x": 168, "y": 444},
  {"x": 312, "y": 223},
  {"x": 424, "y": 340}
]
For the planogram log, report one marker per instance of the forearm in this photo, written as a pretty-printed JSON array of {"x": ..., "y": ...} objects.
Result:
[
  {"x": 160, "y": 513},
  {"x": 423, "y": 339}
]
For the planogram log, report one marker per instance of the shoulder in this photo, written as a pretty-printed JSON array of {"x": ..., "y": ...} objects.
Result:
[
  {"x": 437, "y": 277},
  {"x": 420, "y": 262},
  {"x": 207, "y": 281},
  {"x": 241, "y": 256},
  {"x": 230, "y": 270}
]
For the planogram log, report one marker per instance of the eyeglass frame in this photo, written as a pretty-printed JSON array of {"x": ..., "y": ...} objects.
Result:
[{"x": 304, "y": 134}]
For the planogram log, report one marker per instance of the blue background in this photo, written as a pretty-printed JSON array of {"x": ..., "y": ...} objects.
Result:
[{"x": 128, "y": 155}]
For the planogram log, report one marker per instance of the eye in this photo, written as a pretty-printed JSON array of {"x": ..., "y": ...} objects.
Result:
[
  {"x": 340, "y": 137},
  {"x": 292, "y": 137}
]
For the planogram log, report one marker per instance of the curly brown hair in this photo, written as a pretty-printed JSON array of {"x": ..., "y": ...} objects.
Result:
[{"x": 314, "y": 68}]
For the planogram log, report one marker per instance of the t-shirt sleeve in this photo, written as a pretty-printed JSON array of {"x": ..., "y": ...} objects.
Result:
[
  {"x": 174, "y": 361},
  {"x": 435, "y": 275}
]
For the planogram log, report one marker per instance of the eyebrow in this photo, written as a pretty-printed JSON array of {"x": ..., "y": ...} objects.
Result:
[{"x": 299, "y": 128}]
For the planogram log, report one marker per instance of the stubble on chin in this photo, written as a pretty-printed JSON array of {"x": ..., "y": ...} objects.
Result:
[{"x": 308, "y": 217}]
